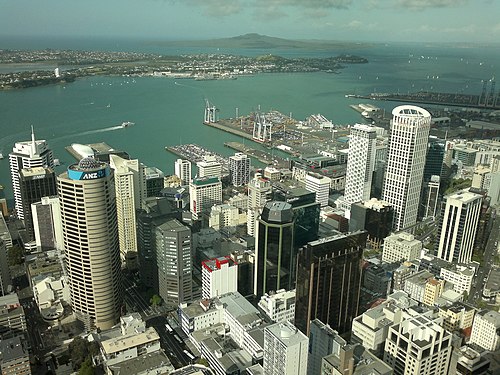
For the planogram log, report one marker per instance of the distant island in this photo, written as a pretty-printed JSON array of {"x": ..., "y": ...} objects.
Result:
[{"x": 196, "y": 66}]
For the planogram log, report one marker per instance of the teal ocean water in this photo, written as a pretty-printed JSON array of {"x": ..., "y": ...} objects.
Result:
[{"x": 168, "y": 112}]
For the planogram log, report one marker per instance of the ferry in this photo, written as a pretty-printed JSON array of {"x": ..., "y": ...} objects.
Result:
[
  {"x": 1, "y": 156},
  {"x": 126, "y": 124}
]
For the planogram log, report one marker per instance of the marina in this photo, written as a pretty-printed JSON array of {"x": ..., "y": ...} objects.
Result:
[
  {"x": 262, "y": 156},
  {"x": 196, "y": 153}
]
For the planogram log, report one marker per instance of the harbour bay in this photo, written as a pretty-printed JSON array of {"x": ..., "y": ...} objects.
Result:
[{"x": 168, "y": 111}]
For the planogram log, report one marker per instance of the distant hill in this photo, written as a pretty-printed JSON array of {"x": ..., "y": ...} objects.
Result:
[{"x": 257, "y": 41}]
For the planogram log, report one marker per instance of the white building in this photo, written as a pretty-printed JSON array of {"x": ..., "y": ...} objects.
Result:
[
  {"x": 272, "y": 173},
  {"x": 239, "y": 169},
  {"x": 360, "y": 164},
  {"x": 49, "y": 291},
  {"x": 486, "y": 330},
  {"x": 130, "y": 193},
  {"x": 459, "y": 226},
  {"x": 415, "y": 285},
  {"x": 279, "y": 306},
  {"x": 320, "y": 185},
  {"x": 460, "y": 276},
  {"x": 204, "y": 192},
  {"x": 209, "y": 167},
  {"x": 259, "y": 193},
  {"x": 223, "y": 216},
  {"x": 183, "y": 171},
  {"x": 406, "y": 155},
  {"x": 417, "y": 346},
  {"x": 285, "y": 350},
  {"x": 401, "y": 246},
  {"x": 28, "y": 154},
  {"x": 218, "y": 276}
]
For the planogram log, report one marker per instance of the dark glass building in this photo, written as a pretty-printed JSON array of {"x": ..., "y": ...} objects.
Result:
[
  {"x": 375, "y": 217},
  {"x": 274, "y": 252},
  {"x": 35, "y": 183},
  {"x": 329, "y": 281},
  {"x": 434, "y": 158}
]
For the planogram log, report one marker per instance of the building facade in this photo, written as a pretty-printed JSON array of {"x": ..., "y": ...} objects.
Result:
[
  {"x": 401, "y": 246},
  {"x": 218, "y": 276},
  {"x": 239, "y": 169},
  {"x": 406, "y": 153},
  {"x": 204, "y": 192},
  {"x": 183, "y": 171},
  {"x": 92, "y": 252}
]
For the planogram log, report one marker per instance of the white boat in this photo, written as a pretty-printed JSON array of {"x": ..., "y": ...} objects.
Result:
[
  {"x": 126, "y": 124},
  {"x": 1, "y": 156}
]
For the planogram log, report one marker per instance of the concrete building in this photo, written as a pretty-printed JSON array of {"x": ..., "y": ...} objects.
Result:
[
  {"x": 35, "y": 183},
  {"x": 354, "y": 360},
  {"x": 209, "y": 167},
  {"x": 130, "y": 194},
  {"x": 224, "y": 216},
  {"x": 47, "y": 225},
  {"x": 417, "y": 346},
  {"x": 457, "y": 316},
  {"x": 155, "y": 181},
  {"x": 12, "y": 318},
  {"x": 360, "y": 164},
  {"x": 174, "y": 262},
  {"x": 183, "y": 171},
  {"x": 401, "y": 246},
  {"x": 415, "y": 285},
  {"x": 486, "y": 330},
  {"x": 275, "y": 258},
  {"x": 431, "y": 197},
  {"x": 459, "y": 223},
  {"x": 323, "y": 341},
  {"x": 92, "y": 253},
  {"x": 5, "y": 275},
  {"x": 471, "y": 362},
  {"x": 14, "y": 357},
  {"x": 218, "y": 276},
  {"x": 285, "y": 350},
  {"x": 320, "y": 185},
  {"x": 28, "y": 154},
  {"x": 329, "y": 281},
  {"x": 433, "y": 290},
  {"x": 259, "y": 193},
  {"x": 239, "y": 169},
  {"x": 279, "y": 306},
  {"x": 204, "y": 192},
  {"x": 405, "y": 163}
]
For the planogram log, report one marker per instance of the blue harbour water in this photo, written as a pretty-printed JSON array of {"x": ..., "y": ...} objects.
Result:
[{"x": 168, "y": 111}]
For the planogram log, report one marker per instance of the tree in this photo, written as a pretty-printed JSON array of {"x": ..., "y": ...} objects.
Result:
[
  {"x": 86, "y": 368},
  {"x": 155, "y": 300},
  {"x": 81, "y": 351},
  {"x": 15, "y": 255}
]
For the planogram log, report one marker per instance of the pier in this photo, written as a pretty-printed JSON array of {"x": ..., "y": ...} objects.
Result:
[
  {"x": 195, "y": 153},
  {"x": 262, "y": 156}
]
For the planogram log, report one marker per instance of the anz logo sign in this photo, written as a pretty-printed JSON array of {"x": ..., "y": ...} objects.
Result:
[{"x": 93, "y": 175}]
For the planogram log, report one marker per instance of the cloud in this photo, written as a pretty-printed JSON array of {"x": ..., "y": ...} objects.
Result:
[
  {"x": 424, "y": 4},
  {"x": 313, "y": 4}
]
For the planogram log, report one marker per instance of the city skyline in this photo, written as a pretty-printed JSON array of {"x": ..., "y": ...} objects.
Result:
[{"x": 348, "y": 20}]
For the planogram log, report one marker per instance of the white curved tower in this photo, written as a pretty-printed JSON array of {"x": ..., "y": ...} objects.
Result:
[
  {"x": 92, "y": 255},
  {"x": 406, "y": 153}
]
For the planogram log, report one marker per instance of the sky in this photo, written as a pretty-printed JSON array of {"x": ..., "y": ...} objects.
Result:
[{"x": 475, "y": 21}]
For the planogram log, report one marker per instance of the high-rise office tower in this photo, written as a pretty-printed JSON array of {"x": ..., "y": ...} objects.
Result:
[
  {"x": 274, "y": 252},
  {"x": 5, "y": 278},
  {"x": 239, "y": 169},
  {"x": 405, "y": 163},
  {"x": 155, "y": 181},
  {"x": 434, "y": 158},
  {"x": 209, "y": 167},
  {"x": 374, "y": 216},
  {"x": 320, "y": 186},
  {"x": 27, "y": 154},
  {"x": 430, "y": 197},
  {"x": 174, "y": 261},
  {"x": 219, "y": 276},
  {"x": 46, "y": 216},
  {"x": 130, "y": 193},
  {"x": 458, "y": 226},
  {"x": 418, "y": 346},
  {"x": 183, "y": 171},
  {"x": 285, "y": 350},
  {"x": 259, "y": 193},
  {"x": 360, "y": 164},
  {"x": 204, "y": 192},
  {"x": 34, "y": 184},
  {"x": 92, "y": 252},
  {"x": 328, "y": 281}
]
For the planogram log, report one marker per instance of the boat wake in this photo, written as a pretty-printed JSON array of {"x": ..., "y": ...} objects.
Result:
[{"x": 109, "y": 129}]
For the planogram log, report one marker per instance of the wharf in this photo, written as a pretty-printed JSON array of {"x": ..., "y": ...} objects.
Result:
[
  {"x": 262, "y": 156},
  {"x": 195, "y": 153}
]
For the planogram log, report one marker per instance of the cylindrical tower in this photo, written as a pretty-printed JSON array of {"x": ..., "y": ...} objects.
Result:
[{"x": 92, "y": 254}]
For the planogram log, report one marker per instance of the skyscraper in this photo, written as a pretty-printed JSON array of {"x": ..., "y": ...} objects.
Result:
[
  {"x": 91, "y": 247},
  {"x": 174, "y": 261},
  {"x": 204, "y": 192},
  {"x": 458, "y": 226},
  {"x": 328, "y": 281},
  {"x": 46, "y": 216},
  {"x": 259, "y": 193},
  {"x": 130, "y": 193},
  {"x": 34, "y": 184},
  {"x": 434, "y": 158},
  {"x": 275, "y": 256},
  {"x": 239, "y": 169},
  {"x": 27, "y": 154},
  {"x": 360, "y": 164},
  {"x": 405, "y": 163},
  {"x": 183, "y": 171}
]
